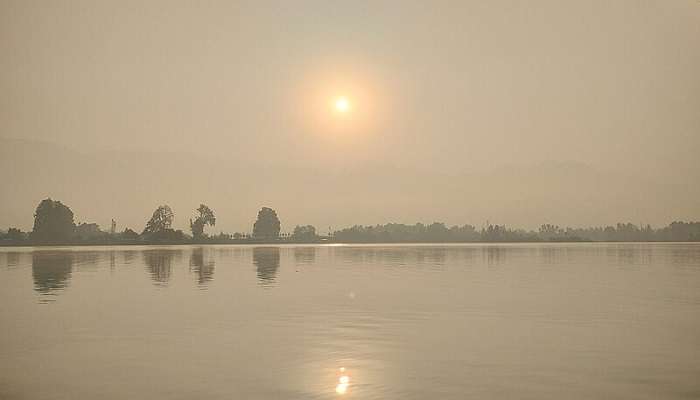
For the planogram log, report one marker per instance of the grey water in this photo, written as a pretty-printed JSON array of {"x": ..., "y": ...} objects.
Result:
[{"x": 525, "y": 321}]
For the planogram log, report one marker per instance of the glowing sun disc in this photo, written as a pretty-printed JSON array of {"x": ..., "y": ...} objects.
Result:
[{"x": 342, "y": 104}]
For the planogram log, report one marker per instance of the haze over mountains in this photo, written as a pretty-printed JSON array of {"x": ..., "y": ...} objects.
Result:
[{"x": 128, "y": 185}]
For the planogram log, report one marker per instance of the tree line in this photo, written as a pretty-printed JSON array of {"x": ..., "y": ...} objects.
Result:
[
  {"x": 439, "y": 232},
  {"x": 54, "y": 223}
]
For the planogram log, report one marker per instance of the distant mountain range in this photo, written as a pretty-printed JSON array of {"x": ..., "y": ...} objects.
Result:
[{"x": 128, "y": 185}]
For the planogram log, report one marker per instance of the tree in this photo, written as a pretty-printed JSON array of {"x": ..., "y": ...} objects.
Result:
[
  {"x": 89, "y": 232},
  {"x": 437, "y": 232},
  {"x": 304, "y": 233},
  {"x": 550, "y": 232},
  {"x": 267, "y": 225},
  {"x": 161, "y": 220},
  {"x": 13, "y": 235},
  {"x": 206, "y": 217},
  {"x": 129, "y": 234},
  {"x": 53, "y": 222}
]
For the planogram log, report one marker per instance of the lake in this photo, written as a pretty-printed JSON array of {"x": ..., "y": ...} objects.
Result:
[{"x": 511, "y": 321}]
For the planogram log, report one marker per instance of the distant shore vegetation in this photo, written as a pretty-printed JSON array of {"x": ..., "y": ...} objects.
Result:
[{"x": 54, "y": 224}]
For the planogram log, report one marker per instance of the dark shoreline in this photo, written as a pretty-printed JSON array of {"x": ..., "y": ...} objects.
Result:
[{"x": 277, "y": 243}]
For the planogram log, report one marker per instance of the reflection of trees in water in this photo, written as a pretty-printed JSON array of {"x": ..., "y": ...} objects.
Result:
[
  {"x": 495, "y": 255},
  {"x": 267, "y": 261},
  {"x": 552, "y": 255},
  {"x": 683, "y": 256},
  {"x": 467, "y": 255},
  {"x": 401, "y": 256},
  {"x": 304, "y": 255},
  {"x": 51, "y": 271},
  {"x": 202, "y": 265},
  {"x": 12, "y": 259},
  {"x": 629, "y": 254},
  {"x": 87, "y": 260},
  {"x": 431, "y": 255},
  {"x": 236, "y": 254},
  {"x": 128, "y": 256},
  {"x": 159, "y": 264}
]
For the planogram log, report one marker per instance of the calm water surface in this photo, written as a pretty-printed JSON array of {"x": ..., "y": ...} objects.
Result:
[{"x": 550, "y": 321}]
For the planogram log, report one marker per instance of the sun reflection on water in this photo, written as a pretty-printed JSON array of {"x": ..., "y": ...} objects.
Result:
[{"x": 343, "y": 382}]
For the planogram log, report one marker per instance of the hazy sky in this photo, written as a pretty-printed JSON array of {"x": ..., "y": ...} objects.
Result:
[{"x": 439, "y": 87}]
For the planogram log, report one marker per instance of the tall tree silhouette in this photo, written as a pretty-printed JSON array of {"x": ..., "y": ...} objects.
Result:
[
  {"x": 267, "y": 225},
  {"x": 206, "y": 217},
  {"x": 161, "y": 220},
  {"x": 53, "y": 222},
  {"x": 304, "y": 233}
]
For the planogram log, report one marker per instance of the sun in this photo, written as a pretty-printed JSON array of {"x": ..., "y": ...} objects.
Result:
[{"x": 342, "y": 104}]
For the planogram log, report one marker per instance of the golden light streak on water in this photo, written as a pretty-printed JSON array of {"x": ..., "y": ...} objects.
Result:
[{"x": 343, "y": 382}]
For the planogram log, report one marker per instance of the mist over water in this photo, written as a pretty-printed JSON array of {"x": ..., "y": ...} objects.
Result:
[{"x": 528, "y": 321}]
